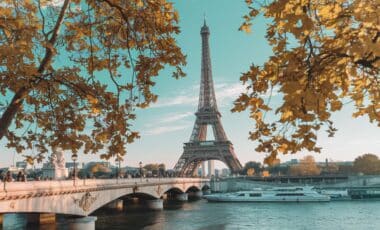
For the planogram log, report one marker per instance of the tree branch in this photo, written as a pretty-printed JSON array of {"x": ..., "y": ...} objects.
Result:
[{"x": 18, "y": 98}]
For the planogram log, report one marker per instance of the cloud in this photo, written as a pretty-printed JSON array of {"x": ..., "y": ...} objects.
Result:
[
  {"x": 178, "y": 100},
  {"x": 44, "y": 4},
  {"x": 54, "y": 3},
  {"x": 225, "y": 92},
  {"x": 175, "y": 117},
  {"x": 166, "y": 129},
  {"x": 168, "y": 123}
]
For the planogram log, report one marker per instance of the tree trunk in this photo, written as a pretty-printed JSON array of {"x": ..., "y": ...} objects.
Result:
[{"x": 12, "y": 109}]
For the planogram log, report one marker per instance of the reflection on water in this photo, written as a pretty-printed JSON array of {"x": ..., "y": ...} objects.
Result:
[
  {"x": 200, "y": 215},
  {"x": 19, "y": 221}
]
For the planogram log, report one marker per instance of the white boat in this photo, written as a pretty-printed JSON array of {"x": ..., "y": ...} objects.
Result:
[{"x": 279, "y": 194}]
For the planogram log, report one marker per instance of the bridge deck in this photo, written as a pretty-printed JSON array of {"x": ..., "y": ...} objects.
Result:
[{"x": 21, "y": 190}]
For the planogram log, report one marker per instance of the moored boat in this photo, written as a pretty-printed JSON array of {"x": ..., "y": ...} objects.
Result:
[
  {"x": 364, "y": 194},
  {"x": 280, "y": 194}
]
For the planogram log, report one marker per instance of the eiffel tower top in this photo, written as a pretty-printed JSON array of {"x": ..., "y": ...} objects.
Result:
[
  {"x": 207, "y": 99},
  {"x": 205, "y": 28}
]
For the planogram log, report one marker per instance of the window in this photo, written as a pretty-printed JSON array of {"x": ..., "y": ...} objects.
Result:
[
  {"x": 255, "y": 194},
  {"x": 241, "y": 194},
  {"x": 290, "y": 194}
]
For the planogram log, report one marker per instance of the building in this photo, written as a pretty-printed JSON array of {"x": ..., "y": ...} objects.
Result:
[
  {"x": 70, "y": 165},
  {"x": 21, "y": 164},
  {"x": 211, "y": 169},
  {"x": 200, "y": 171},
  {"x": 225, "y": 172}
]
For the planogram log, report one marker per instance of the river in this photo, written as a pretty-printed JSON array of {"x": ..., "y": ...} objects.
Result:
[{"x": 200, "y": 215}]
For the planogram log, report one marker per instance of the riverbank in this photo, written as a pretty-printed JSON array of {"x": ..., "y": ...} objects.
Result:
[{"x": 233, "y": 184}]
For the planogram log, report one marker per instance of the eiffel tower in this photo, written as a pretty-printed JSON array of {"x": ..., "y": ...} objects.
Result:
[{"x": 198, "y": 149}]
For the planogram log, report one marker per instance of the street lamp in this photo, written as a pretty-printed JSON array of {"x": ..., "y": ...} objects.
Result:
[
  {"x": 74, "y": 157},
  {"x": 118, "y": 161},
  {"x": 140, "y": 164}
]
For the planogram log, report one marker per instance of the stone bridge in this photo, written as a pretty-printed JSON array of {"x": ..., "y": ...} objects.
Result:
[{"x": 83, "y": 197}]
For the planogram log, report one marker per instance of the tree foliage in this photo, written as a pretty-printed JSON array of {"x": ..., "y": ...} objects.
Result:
[
  {"x": 331, "y": 168},
  {"x": 73, "y": 71},
  {"x": 256, "y": 166},
  {"x": 368, "y": 164},
  {"x": 306, "y": 167},
  {"x": 156, "y": 168},
  {"x": 98, "y": 167},
  {"x": 325, "y": 55}
]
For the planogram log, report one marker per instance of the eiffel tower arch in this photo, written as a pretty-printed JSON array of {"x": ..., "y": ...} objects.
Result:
[{"x": 198, "y": 149}]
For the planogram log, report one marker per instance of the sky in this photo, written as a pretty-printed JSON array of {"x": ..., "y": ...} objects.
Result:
[{"x": 168, "y": 123}]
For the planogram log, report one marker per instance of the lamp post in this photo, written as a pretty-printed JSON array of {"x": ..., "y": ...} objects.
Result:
[
  {"x": 117, "y": 162},
  {"x": 84, "y": 174},
  {"x": 140, "y": 164},
  {"x": 74, "y": 157}
]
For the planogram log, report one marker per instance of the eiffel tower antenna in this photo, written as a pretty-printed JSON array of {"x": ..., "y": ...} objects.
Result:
[{"x": 198, "y": 149}]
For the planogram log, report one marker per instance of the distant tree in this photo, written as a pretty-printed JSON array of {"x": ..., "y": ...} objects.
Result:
[
  {"x": 162, "y": 169},
  {"x": 368, "y": 164},
  {"x": 250, "y": 172},
  {"x": 265, "y": 173},
  {"x": 306, "y": 167},
  {"x": 324, "y": 53},
  {"x": 331, "y": 168},
  {"x": 99, "y": 170},
  {"x": 72, "y": 72},
  {"x": 151, "y": 167},
  {"x": 346, "y": 169},
  {"x": 156, "y": 168},
  {"x": 256, "y": 166}
]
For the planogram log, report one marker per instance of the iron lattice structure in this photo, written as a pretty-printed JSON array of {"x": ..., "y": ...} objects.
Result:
[{"x": 198, "y": 149}]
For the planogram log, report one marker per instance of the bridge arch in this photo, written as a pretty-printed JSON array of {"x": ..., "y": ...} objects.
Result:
[
  {"x": 193, "y": 189},
  {"x": 174, "y": 190},
  {"x": 139, "y": 195}
]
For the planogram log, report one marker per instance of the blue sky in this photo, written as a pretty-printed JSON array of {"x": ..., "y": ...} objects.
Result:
[{"x": 168, "y": 124}]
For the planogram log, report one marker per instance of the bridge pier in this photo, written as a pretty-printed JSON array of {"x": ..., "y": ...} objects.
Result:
[
  {"x": 82, "y": 223},
  {"x": 181, "y": 197},
  {"x": 40, "y": 218},
  {"x": 195, "y": 195},
  {"x": 207, "y": 192},
  {"x": 115, "y": 205},
  {"x": 154, "y": 205}
]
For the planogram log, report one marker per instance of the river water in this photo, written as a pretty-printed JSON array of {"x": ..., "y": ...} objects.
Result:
[{"x": 200, "y": 215}]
